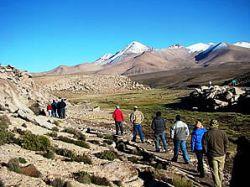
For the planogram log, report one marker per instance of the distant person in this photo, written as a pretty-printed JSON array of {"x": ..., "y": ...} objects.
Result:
[
  {"x": 215, "y": 144},
  {"x": 210, "y": 84},
  {"x": 54, "y": 108},
  {"x": 49, "y": 110},
  {"x": 61, "y": 109},
  {"x": 159, "y": 127},
  {"x": 179, "y": 133},
  {"x": 234, "y": 82},
  {"x": 119, "y": 119},
  {"x": 196, "y": 145},
  {"x": 136, "y": 118}
]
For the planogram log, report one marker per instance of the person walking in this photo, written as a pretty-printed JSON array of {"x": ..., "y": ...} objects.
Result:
[
  {"x": 49, "y": 110},
  {"x": 196, "y": 146},
  {"x": 159, "y": 127},
  {"x": 215, "y": 144},
  {"x": 179, "y": 133},
  {"x": 61, "y": 108},
  {"x": 136, "y": 118},
  {"x": 119, "y": 119},
  {"x": 54, "y": 108}
]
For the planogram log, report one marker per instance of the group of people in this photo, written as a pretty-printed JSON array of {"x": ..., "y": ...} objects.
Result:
[
  {"x": 213, "y": 142},
  {"x": 57, "y": 108}
]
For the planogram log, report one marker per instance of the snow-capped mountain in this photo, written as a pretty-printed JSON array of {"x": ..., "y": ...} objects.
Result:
[
  {"x": 198, "y": 47},
  {"x": 133, "y": 49},
  {"x": 242, "y": 44},
  {"x": 103, "y": 59},
  {"x": 175, "y": 46}
]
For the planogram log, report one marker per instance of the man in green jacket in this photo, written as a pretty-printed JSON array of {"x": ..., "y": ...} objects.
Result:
[{"x": 215, "y": 144}]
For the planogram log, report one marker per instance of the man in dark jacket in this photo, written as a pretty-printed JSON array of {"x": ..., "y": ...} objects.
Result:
[
  {"x": 215, "y": 144},
  {"x": 61, "y": 108},
  {"x": 159, "y": 126},
  {"x": 54, "y": 108}
]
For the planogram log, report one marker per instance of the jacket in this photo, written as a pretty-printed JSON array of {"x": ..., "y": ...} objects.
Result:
[
  {"x": 136, "y": 117},
  {"x": 158, "y": 125},
  {"x": 179, "y": 131},
  {"x": 215, "y": 143},
  {"x": 196, "y": 140},
  {"x": 118, "y": 115}
]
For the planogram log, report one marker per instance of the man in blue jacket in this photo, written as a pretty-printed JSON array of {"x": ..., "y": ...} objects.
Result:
[{"x": 196, "y": 145}]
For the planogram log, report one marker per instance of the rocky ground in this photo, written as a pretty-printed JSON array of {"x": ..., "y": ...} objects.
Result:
[{"x": 81, "y": 150}]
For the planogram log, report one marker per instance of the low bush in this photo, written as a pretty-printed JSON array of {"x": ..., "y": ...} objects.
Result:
[
  {"x": 65, "y": 152},
  {"x": 57, "y": 123},
  {"x": 86, "y": 178},
  {"x": 4, "y": 122},
  {"x": 109, "y": 142},
  {"x": 6, "y": 137},
  {"x": 108, "y": 137},
  {"x": 94, "y": 142},
  {"x": 133, "y": 159},
  {"x": 22, "y": 160},
  {"x": 55, "y": 129},
  {"x": 80, "y": 143},
  {"x": 82, "y": 158},
  {"x": 180, "y": 181},
  {"x": 107, "y": 155},
  {"x": 1, "y": 183},
  {"x": 77, "y": 134},
  {"x": 13, "y": 165},
  {"x": 52, "y": 134},
  {"x": 73, "y": 157},
  {"x": 49, "y": 154},
  {"x": 35, "y": 142}
]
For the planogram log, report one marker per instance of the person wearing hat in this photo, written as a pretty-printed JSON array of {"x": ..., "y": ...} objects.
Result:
[
  {"x": 119, "y": 119},
  {"x": 215, "y": 144},
  {"x": 136, "y": 119}
]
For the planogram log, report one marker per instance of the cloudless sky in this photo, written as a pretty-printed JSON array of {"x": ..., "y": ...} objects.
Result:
[{"x": 38, "y": 35}]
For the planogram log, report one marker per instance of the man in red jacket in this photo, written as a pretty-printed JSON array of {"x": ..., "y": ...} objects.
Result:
[{"x": 119, "y": 119}]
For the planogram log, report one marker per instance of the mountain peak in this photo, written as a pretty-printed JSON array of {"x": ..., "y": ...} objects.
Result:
[
  {"x": 135, "y": 47},
  {"x": 242, "y": 44}
]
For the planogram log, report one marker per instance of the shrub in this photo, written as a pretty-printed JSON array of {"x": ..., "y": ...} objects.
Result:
[
  {"x": 22, "y": 160},
  {"x": 4, "y": 122},
  {"x": 80, "y": 143},
  {"x": 109, "y": 142},
  {"x": 94, "y": 142},
  {"x": 100, "y": 180},
  {"x": 35, "y": 108},
  {"x": 73, "y": 156},
  {"x": 108, "y": 137},
  {"x": 57, "y": 123},
  {"x": 65, "y": 152},
  {"x": 55, "y": 129},
  {"x": 49, "y": 154},
  {"x": 180, "y": 181},
  {"x": 133, "y": 159},
  {"x": 107, "y": 155},
  {"x": 83, "y": 177},
  {"x": 35, "y": 142},
  {"x": 13, "y": 165},
  {"x": 1, "y": 183},
  {"x": 6, "y": 137},
  {"x": 77, "y": 134},
  {"x": 99, "y": 135},
  {"x": 58, "y": 182},
  {"x": 82, "y": 158},
  {"x": 86, "y": 178},
  {"x": 52, "y": 134}
]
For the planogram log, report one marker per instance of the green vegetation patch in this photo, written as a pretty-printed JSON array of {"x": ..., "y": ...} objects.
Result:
[
  {"x": 86, "y": 178},
  {"x": 107, "y": 155},
  {"x": 35, "y": 142},
  {"x": 6, "y": 137},
  {"x": 79, "y": 143},
  {"x": 77, "y": 134},
  {"x": 180, "y": 181}
]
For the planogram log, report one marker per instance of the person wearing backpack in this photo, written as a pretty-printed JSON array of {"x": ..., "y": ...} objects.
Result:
[
  {"x": 136, "y": 118},
  {"x": 159, "y": 127}
]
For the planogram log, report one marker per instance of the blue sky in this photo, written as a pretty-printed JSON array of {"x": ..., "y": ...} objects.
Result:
[{"x": 38, "y": 35}]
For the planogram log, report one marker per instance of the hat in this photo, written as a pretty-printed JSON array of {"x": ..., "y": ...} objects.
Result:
[
  {"x": 117, "y": 106},
  {"x": 135, "y": 107},
  {"x": 214, "y": 123}
]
